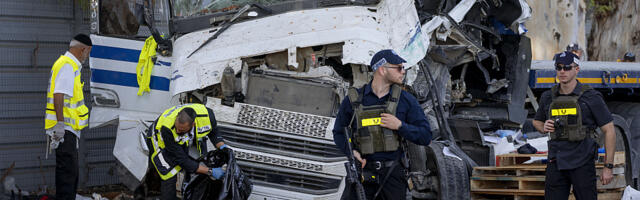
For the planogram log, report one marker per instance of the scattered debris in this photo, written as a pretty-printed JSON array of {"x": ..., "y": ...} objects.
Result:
[
  {"x": 10, "y": 187},
  {"x": 630, "y": 193}
]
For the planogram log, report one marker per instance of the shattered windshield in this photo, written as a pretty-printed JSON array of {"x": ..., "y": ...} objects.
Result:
[{"x": 188, "y": 8}]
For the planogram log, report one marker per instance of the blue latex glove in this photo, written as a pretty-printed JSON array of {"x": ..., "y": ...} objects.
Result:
[
  {"x": 216, "y": 173},
  {"x": 222, "y": 147}
]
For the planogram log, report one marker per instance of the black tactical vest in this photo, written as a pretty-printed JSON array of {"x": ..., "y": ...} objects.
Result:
[
  {"x": 370, "y": 136},
  {"x": 567, "y": 116}
]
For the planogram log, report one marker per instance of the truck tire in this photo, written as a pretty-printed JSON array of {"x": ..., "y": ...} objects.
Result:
[
  {"x": 630, "y": 113},
  {"x": 453, "y": 179}
]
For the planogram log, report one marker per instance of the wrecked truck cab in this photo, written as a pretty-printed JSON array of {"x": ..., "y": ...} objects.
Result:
[{"x": 274, "y": 72}]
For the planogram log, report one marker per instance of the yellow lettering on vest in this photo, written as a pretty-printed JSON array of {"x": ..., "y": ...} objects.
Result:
[
  {"x": 563, "y": 111},
  {"x": 371, "y": 121}
]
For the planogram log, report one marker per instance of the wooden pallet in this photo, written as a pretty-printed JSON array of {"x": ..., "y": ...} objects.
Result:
[
  {"x": 517, "y": 159},
  {"x": 517, "y": 181},
  {"x": 508, "y": 194},
  {"x": 514, "y": 170},
  {"x": 527, "y": 182}
]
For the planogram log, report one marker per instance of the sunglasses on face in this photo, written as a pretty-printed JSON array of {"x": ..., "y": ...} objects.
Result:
[
  {"x": 397, "y": 68},
  {"x": 561, "y": 67}
]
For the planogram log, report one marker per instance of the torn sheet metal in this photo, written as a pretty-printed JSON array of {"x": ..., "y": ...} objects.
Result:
[
  {"x": 355, "y": 26},
  {"x": 457, "y": 14},
  {"x": 130, "y": 147}
]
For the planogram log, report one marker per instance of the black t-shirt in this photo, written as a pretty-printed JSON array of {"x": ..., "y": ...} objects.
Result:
[
  {"x": 595, "y": 114},
  {"x": 179, "y": 154}
]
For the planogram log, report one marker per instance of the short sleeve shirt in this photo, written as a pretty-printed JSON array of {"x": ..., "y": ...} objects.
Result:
[
  {"x": 64, "y": 83},
  {"x": 570, "y": 155}
]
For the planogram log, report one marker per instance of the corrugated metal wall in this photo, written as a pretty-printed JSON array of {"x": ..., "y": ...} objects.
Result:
[{"x": 33, "y": 34}]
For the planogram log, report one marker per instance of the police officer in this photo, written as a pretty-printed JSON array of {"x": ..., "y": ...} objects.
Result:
[
  {"x": 66, "y": 114},
  {"x": 575, "y": 49},
  {"x": 570, "y": 112},
  {"x": 629, "y": 57},
  {"x": 178, "y": 138},
  {"x": 381, "y": 115}
]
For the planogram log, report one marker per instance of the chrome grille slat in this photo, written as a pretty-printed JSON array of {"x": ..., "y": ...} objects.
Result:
[
  {"x": 289, "y": 179},
  {"x": 248, "y": 138},
  {"x": 284, "y": 146},
  {"x": 277, "y": 161},
  {"x": 285, "y": 121}
]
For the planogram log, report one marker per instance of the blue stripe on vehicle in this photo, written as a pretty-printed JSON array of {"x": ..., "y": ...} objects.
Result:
[
  {"x": 120, "y": 54},
  {"x": 127, "y": 79},
  {"x": 168, "y": 64},
  {"x": 115, "y": 53}
]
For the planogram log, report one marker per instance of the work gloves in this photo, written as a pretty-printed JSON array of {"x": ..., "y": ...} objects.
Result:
[
  {"x": 216, "y": 173},
  {"x": 57, "y": 136},
  {"x": 224, "y": 148}
]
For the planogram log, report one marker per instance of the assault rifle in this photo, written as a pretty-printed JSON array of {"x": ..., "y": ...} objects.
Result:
[{"x": 354, "y": 170}]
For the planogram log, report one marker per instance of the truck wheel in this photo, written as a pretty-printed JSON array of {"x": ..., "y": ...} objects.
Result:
[
  {"x": 630, "y": 113},
  {"x": 451, "y": 172}
]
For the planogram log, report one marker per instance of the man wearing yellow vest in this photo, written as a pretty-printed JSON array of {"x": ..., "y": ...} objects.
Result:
[
  {"x": 178, "y": 137},
  {"x": 66, "y": 114}
]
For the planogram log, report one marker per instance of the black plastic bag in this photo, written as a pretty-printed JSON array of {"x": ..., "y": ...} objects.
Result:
[
  {"x": 235, "y": 185},
  {"x": 527, "y": 149}
]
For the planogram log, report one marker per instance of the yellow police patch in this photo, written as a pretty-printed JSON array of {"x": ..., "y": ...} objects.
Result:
[
  {"x": 563, "y": 111},
  {"x": 371, "y": 121}
]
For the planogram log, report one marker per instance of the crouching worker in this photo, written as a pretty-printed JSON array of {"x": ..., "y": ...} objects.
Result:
[{"x": 178, "y": 139}]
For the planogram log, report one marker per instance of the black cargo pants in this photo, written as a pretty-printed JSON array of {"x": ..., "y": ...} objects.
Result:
[
  {"x": 558, "y": 182},
  {"x": 67, "y": 168},
  {"x": 168, "y": 188},
  {"x": 394, "y": 188}
]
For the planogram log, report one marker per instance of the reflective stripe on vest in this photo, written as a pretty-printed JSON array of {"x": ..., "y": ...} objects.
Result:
[
  {"x": 76, "y": 113},
  {"x": 203, "y": 127},
  {"x": 165, "y": 170}
]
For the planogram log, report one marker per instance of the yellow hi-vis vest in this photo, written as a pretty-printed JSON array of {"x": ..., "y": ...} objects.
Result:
[
  {"x": 166, "y": 169},
  {"x": 76, "y": 114}
]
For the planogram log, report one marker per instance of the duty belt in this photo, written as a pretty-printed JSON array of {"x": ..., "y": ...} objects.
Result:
[{"x": 377, "y": 165}]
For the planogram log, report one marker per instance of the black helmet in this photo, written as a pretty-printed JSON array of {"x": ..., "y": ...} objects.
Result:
[{"x": 629, "y": 57}]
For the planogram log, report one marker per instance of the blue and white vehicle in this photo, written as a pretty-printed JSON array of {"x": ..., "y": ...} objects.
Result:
[{"x": 275, "y": 71}]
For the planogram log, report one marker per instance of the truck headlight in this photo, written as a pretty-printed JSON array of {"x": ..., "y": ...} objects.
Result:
[{"x": 104, "y": 98}]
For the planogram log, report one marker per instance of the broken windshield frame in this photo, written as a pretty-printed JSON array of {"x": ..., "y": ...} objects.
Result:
[
  {"x": 194, "y": 8},
  {"x": 192, "y": 15}
]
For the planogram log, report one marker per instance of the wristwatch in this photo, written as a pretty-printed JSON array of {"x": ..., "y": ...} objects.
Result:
[{"x": 608, "y": 165}]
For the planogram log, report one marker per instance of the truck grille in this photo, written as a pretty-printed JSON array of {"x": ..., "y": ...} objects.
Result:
[
  {"x": 277, "y": 161},
  {"x": 283, "y": 121},
  {"x": 280, "y": 143},
  {"x": 289, "y": 179}
]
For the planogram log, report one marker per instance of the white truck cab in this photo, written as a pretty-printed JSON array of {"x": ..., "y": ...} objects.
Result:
[{"x": 274, "y": 72}]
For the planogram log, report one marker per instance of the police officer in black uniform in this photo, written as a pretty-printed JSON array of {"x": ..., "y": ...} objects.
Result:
[
  {"x": 629, "y": 57},
  {"x": 381, "y": 116},
  {"x": 570, "y": 113}
]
